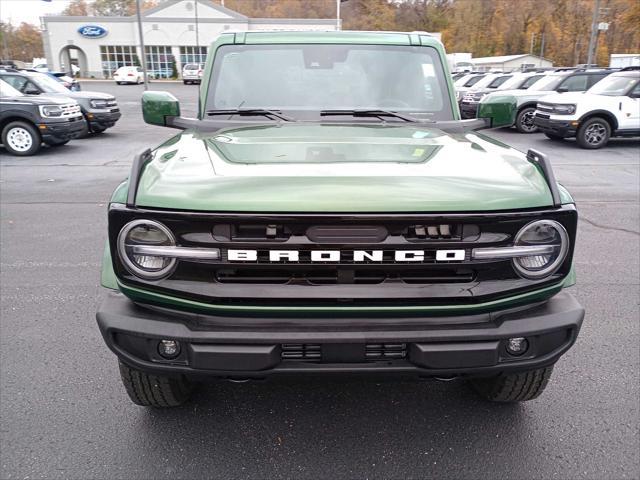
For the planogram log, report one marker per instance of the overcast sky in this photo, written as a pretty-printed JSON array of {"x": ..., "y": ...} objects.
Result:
[{"x": 30, "y": 11}]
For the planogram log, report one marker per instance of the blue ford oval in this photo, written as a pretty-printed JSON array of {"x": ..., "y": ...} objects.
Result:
[{"x": 92, "y": 31}]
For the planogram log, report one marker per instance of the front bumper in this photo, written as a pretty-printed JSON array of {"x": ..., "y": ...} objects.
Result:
[
  {"x": 561, "y": 128},
  {"x": 62, "y": 130},
  {"x": 102, "y": 120},
  {"x": 250, "y": 347}
]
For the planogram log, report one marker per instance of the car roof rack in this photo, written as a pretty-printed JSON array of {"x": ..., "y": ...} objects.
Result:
[
  {"x": 542, "y": 161},
  {"x": 630, "y": 68}
]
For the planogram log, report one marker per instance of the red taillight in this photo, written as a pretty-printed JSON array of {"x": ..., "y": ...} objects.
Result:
[{"x": 129, "y": 74}]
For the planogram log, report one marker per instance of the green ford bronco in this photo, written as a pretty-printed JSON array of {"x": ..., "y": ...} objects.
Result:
[{"x": 328, "y": 212}]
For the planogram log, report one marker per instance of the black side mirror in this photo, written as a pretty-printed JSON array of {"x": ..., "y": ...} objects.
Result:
[{"x": 562, "y": 90}]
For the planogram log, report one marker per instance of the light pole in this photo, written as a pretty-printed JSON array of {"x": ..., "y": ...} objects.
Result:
[
  {"x": 338, "y": 2},
  {"x": 144, "y": 54},
  {"x": 594, "y": 33},
  {"x": 197, "y": 34}
]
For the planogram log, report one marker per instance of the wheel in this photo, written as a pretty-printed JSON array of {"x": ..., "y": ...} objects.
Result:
[
  {"x": 21, "y": 138},
  {"x": 52, "y": 143},
  {"x": 118, "y": 83},
  {"x": 148, "y": 390},
  {"x": 524, "y": 120},
  {"x": 594, "y": 133},
  {"x": 185, "y": 82},
  {"x": 553, "y": 136},
  {"x": 513, "y": 387}
]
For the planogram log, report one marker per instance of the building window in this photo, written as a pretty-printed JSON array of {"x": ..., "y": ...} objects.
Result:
[
  {"x": 116, "y": 56},
  {"x": 192, "y": 55},
  {"x": 160, "y": 62}
]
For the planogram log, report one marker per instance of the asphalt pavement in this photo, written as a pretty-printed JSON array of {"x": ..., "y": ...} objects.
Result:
[{"x": 64, "y": 412}]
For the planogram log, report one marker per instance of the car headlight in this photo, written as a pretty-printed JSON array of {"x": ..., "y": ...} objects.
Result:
[
  {"x": 49, "y": 111},
  {"x": 568, "y": 109},
  {"x": 141, "y": 233},
  {"x": 541, "y": 233},
  {"x": 457, "y": 95},
  {"x": 98, "y": 103}
]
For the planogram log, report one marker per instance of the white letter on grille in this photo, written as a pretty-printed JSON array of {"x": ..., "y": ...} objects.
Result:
[
  {"x": 277, "y": 255},
  {"x": 449, "y": 255},
  {"x": 325, "y": 256},
  {"x": 410, "y": 256},
  {"x": 242, "y": 255},
  {"x": 374, "y": 256}
]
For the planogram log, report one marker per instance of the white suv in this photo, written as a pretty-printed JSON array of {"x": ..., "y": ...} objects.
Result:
[
  {"x": 192, "y": 73},
  {"x": 611, "y": 108}
]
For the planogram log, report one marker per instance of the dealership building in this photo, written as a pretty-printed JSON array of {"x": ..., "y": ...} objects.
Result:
[{"x": 175, "y": 32}]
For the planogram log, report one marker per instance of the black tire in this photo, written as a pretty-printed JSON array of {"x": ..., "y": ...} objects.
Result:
[
  {"x": 553, "y": 136},
  {"x": 28, "y": 136},
  {"x": 594, "y": 133},
  {"x": 513, "y": 387},
  {"x": 52, "y": 143},
  {"x": 524, "y": 120},
  {"x": 148, "y": 390}
]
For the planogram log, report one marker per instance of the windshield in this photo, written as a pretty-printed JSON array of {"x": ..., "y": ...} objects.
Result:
[
  {"x": 48, "y": 84},
  {"x": 530, "y": 81},
  {"x": 330, "y": 77},
  {"x": 614, "y": 86},
  {"x": 473, "y": 80},
  {"x": 7, "y": 90},
  {"x": 499, "y": 81},
  {"x": 550, "y": 82}
]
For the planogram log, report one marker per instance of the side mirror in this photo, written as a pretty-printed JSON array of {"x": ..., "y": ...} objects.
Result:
[
  {"x": 31, "y": 91},
  {"x": 159, "y": 108},
  {"x": 563, "y": 90},
  {"x": 500, "y": 110}
]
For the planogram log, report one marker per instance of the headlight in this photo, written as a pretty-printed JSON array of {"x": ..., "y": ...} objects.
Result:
[
  {"x": 564, "y": 109},
  {"x": 49, "y": 111},
  {"x": 541, "y": 233},
  {"x": 98, "y": 103},
  {"x": 457, "y": 95},
  {"x": 146, "y": 233}
]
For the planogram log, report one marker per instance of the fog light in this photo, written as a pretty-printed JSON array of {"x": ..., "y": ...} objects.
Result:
[
  {"x": 169, "y": 348},
  {"x": 517, "y": 345}
]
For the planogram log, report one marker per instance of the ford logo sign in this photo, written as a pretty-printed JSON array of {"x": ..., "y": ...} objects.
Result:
[{"x": 92, "y": 31}]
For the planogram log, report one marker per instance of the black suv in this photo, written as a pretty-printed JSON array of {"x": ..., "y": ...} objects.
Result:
[
  {"x": 99, "y": 109},
  {"x": 27, "y": 122}
]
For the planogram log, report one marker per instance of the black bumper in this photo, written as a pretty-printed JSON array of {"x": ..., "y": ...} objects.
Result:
[
  {"x": 469, "y": 110},
  {"x": 61, "y": 131},
  {"x": 555, "y": 127},
  {"x": 103, "y": 120},
  {"x": 257, "y": 347}
]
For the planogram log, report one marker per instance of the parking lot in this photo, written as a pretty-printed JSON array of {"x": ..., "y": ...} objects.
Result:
[{"x": 64, "y": 413}]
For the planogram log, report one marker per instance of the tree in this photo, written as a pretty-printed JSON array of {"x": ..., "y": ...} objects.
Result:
[
  {"x": 23, "y": 43},
  {"x": 119, "y": 8},
  {"x": 77, "y": 8}
]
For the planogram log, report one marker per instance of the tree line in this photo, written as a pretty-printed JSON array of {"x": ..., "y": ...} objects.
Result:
[{"x": 481, "y": 27}]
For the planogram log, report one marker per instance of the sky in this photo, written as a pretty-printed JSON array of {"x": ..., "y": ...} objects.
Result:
[{"x": 30, "y": 11}]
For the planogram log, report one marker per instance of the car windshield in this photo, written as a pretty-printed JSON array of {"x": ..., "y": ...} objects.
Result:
[
  {"x": 548, "y": 83},
  {"x": 499, "y": 81},
  {"x": 7, "y": 90},
  {"x": 614, "y": 86},
  {"x": 473, "y": 80},
  {"x": 530, "y": 81},
  {"x": 330, "y": 77},
  {"x": 48, "y": 84},
  {"x": 191, "y": 66}
]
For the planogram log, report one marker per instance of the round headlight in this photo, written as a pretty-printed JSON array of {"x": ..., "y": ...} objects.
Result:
[
  {"x": 541, "y": 233},
  {"x": 145, "y": 233}
]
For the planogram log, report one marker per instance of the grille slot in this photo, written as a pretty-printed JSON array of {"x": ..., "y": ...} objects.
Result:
[
  {"x": 385, "y": 351},
  {"x": 300, "y": 351}
]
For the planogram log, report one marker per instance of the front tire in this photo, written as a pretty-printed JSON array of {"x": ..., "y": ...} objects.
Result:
[
  {"x": 594, "y": 133},
  {"x": 21, "y": 139},
  {"x": 524, "y": 120},
  {"x": 513, "y": 387},
  {"x": 149, "y": 390}
]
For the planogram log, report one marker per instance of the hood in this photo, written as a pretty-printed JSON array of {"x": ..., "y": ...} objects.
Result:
[
  {"x": 91, "y": 95},
  {"x": 45, "y": 99},
  {"x": 345, "y": 168},
  {"x": 569, "y": 97}
]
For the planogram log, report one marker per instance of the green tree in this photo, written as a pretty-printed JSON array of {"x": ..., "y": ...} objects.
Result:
[
  {"x": 77, "y": 8},
  {"x": 23, "y": 43}
]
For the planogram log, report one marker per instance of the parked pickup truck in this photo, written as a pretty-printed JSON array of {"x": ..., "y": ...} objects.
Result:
[{"x": 321, "y": 216}]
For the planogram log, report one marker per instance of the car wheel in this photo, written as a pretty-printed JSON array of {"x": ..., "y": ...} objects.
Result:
[
  {"x": 524, "y": 120},
  {"x": 118, "y": 83},
  {"x": 553, "y": 136},
  {"x": 513, "y": 387},
  {"x": 594, "y": 133},
  {"x": 21, "y": 139},
  {"x": 149, "y": 390}
]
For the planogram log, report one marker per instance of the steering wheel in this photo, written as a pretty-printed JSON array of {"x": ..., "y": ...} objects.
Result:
[{"x": 393, "y": 103}]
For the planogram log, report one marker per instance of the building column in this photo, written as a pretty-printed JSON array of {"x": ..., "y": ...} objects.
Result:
[{"x": 175, "y": 51}]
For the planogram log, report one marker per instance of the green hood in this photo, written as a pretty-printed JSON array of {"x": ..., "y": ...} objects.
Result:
[{"x": 338, "y": 168}]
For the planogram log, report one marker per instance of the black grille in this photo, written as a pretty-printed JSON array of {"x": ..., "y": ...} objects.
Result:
[
  {"x": 312, "y": 352},
  {"x": 301, "y": 351},
  {"x": 385, "y": 351}
]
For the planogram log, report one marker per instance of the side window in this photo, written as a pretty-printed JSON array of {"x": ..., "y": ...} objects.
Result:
[
  {"x": 576, "y": 83},
  {"x": 635, "y": 93},
  {"x": 593, "y": 79},
  {"x": 16, "y": 82},
  {"x": 29, "y": 86}
]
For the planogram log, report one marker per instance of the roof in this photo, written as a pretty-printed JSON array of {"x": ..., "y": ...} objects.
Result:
[
  {"x": 503, "y": 58},
  {"x": 333, "y": 36}
]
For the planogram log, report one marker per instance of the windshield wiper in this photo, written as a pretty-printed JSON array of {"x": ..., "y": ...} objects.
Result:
[
  {"x": 371, "y": 113},
  {"x": 251, "y": 112}
]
